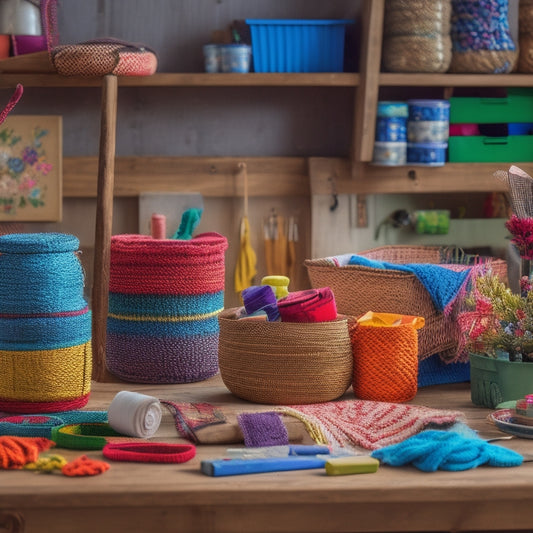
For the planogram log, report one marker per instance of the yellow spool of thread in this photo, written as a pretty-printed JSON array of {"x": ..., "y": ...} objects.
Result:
[{"x": 279, "y": 284}]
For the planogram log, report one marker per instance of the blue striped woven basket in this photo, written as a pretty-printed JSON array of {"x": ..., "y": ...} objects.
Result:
[{"x": 45, "y": 324}]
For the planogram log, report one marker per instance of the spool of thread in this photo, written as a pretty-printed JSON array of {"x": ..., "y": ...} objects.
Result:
[
  {"x": 313, "y": 305},
  {"x": 134, "y": 414},
  {"x": 158, "y": 226},
  {"x": 279, "y": 284}
]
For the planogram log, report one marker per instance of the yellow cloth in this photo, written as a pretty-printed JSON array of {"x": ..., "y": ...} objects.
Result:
[
  {"x": 245, "y": 269},
  {"x": 388, "y": 320}
]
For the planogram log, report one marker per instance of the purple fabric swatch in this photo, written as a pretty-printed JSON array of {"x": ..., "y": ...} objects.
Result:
[{"x": 263, "y": 429}]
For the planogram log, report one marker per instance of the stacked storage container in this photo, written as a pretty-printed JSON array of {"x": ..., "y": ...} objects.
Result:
[{"x": 492, "y": 129}]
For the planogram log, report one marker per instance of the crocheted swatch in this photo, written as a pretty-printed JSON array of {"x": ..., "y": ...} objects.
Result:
[
  {"x": 191, "y": 417},
  {"x": 84, "y": 466},
  {"x": 263, "y": 429},
  {"x": 433, "y": 450},
  {"x": 367, "y": 424}
]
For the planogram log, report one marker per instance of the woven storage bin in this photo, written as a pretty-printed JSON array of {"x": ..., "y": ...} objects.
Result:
[
  {"x": 165, "y": 295},
  {"x": 284, "y": 363},
  {"x": 359, "y": 289},
  {"x": 45, "y": 324}
]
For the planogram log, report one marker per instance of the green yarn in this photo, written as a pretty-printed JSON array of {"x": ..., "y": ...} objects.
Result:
[{"x": 189, "y": 221}]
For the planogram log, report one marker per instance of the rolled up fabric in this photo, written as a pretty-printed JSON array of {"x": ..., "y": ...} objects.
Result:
[
  {"x": 313, "y": 305},
  {"x": 134, "y": 414}
]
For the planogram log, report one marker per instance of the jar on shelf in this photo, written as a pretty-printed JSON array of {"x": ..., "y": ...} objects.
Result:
[
  {"x": 481, "y": 38},
  {"x": 416, "y": 36}
]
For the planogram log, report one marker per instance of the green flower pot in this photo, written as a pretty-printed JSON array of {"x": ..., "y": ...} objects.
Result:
[{"x": 493, "y": 381}]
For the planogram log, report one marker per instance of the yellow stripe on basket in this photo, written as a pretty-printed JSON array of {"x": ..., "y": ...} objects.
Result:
[
  {"x": 46, "y": 375},
  {"x": 148, "y": 318}
]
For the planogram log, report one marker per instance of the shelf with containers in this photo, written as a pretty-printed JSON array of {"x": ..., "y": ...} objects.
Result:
[{"x": 361, "y": 176}]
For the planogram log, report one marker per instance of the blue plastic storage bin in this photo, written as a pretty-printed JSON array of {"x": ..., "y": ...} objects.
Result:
[{"x": 298, "y": 45}]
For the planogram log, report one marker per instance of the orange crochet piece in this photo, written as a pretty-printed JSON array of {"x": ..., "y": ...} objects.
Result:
[
  {"x": 385, "y": 358},
  {"x": 15, "y": 452},
  {"x": 84, "y": 466}
]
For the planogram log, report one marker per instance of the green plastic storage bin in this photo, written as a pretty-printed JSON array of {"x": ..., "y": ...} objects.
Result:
[
  {"x": 517, "y": 106},
  {"x": 493, "y": 381},
  {"x": 479, "y": 149}
]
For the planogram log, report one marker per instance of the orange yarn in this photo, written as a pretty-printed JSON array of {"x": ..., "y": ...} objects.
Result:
[
  {"x": 385, "y": 361},
  {"x": 84, "y": 466},
  {"x": 15, "y": 452}
]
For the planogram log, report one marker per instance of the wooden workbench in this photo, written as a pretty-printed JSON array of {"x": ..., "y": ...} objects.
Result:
[{"x": 158, "y": 498}]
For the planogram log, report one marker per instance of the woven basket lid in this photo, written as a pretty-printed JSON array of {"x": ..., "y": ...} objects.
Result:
[{"x": 38, "y": 243}]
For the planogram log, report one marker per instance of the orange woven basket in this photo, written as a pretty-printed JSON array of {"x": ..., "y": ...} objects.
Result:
[
  {"x": 360, "y": 289},
  {"x": 282, "y": 363}
]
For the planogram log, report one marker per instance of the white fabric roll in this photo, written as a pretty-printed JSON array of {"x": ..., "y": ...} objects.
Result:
[{"x": 134, "y": 414}]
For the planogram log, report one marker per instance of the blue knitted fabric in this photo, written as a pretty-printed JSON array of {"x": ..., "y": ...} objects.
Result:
[
  {"x": 434, "y": 371},
  {"x": 44, "y": 333},
  {"x": 40, "y": 273},
  {"x": 432, "y": 450},
  {"x": 442, "y": 284}
]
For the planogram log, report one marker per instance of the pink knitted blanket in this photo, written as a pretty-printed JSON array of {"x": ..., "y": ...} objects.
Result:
[{"x": 367, "y": 424}]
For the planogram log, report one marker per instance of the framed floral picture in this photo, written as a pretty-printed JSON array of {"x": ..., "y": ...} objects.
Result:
[{"x": 31, "y": 168}]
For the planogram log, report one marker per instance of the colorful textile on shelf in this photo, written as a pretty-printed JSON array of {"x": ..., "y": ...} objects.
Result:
[
  {"x": 433, "y": 450},
  {"x": 367, "y": 424}
]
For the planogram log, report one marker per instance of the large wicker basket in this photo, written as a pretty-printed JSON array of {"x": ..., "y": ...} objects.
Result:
[
  {"x": 281, "y": 363},
  {"x": 359, "y": 289}
]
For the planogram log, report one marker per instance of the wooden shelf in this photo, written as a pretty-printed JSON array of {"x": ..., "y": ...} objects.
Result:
[
  {"x": 333, "y": 79},
  {"x": 455, "y": 80},
  {"x": 267, "y": 176},
  {"x": 330, "y": 175}
]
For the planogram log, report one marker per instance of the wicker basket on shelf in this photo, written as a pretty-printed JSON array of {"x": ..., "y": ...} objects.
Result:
[
  {"x": 359, "y": 289},
  {"x": 282, "y": 363}
]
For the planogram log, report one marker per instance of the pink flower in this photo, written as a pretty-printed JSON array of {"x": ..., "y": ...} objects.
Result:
[{"x": 522, "y": 231}]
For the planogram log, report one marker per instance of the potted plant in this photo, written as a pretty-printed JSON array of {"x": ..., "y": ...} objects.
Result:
[{"x": 496, "y": 323}]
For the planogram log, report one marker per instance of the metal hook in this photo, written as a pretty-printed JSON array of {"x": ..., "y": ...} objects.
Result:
[{"x": 334, "y": 195}]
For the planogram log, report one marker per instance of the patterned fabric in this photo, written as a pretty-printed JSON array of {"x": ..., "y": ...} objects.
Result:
[
  {"x": 191, "y": 417},
  {"x": 367, "y": 424},
  {"x": 164, "y": 301}
]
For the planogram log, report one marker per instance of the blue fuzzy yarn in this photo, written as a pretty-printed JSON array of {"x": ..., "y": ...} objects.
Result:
[
  {"x": 40, "y": 273},
  {"x": 44, "y": 333},
  {"x": 433, "y": 450}
]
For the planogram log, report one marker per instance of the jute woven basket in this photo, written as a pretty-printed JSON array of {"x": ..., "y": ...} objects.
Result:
[
  {"x": 281, "y": 363},
  {"x": 359, "y": 289}
]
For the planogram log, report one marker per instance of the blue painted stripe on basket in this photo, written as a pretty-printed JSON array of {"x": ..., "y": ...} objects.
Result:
[
  {"x": 165, "y": 305},
  {"x": 28, "y": 334},
  {"x": 152, "y": 328}
]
